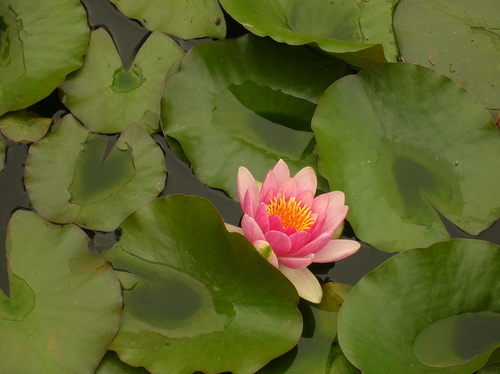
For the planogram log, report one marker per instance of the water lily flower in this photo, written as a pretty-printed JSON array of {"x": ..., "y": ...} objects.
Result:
[{"x": 292, "y": 228}]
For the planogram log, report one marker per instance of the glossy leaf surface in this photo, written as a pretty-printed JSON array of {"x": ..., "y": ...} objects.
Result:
[
  {"x": 193, "y": 291},
  {"x": 360, "y": 32},
  {"x": 35, "y": 55},
  {"x": 416, "y": 293},
  {"x": 73, "y": 175},
  {"x": 65, "y": 301},
  {"x": 404, "y": 142},
  {"x": 254, "y": 102},
  {"x": 106, "y": 97},
  {"x": 183, "y": 19},
  {"x": 460, "y": 39}
]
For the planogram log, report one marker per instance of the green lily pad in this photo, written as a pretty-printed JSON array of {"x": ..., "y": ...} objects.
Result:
[
  {"x": 460, "y": 39},
  {"x": 73, "y": 175},
  {"x": 106, "y": 97},
  {"x": 317, "y": 350},
  {"x": 197, "y": 297},
  {"x": 3, "y": 149},
  {"x": 65, "y": 301},
  {"x": 254, "y": 102},
  {"x": 437, "y": 299},
  {"x": 359, "y": 32},
  {"x": 184, "y": 19},
  {"x": 35, "y": 56},
  {"x": 23, "y": 126},
  {"x": 404, "y": 142}
]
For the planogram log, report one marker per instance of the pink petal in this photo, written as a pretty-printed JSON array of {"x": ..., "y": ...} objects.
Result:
[
  {"x": 269, "y": 187},
  {"x": 281, "y": 172},
  {"x": 317, "y": 227},
  {"x": 261, "y": 217},
  {"x": 306, "y": 180},
  {"x": 299, "y": 240},
  {"x": 280, "y": 242},
  {"x": 335, "y": 215},
  {"x": 251, "y": 229},
  {"x": 288, "y": 189},
  {"x": 337, "y": 250},
  {"x": 306, "y": 197},
  {"x": 314, "y": 246},
  {"x": 246, "y": 183},
  {"x": 275, "y": 223},
  {"x": 305, "y": 283},
  {"x": 296, "y": 262},
  {"x": 323, "y": 201}
]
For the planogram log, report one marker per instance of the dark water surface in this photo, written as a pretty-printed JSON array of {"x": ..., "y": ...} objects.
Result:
[{"x": 128, "y": 35}]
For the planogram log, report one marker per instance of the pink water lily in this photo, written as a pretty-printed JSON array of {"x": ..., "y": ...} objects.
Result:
[{"x": 291, "y": 227}]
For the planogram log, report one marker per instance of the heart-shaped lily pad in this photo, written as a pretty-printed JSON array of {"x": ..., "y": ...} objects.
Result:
[
  {"x": 254, "y": 102},
  {"x": 23, "y": 126},
  {"x": 197, "y": 297},
  {"x": 184, "y": 19},
  {"x": 106, "y": 97},
  {"x": 65, "y": 301},
  {"x": 358, "y": 31},
  {"x": 403, "y": 142},
  {"x": 460, "y": 39},
  {"x": 442, "y": 299},
  {"x": 73, "y": 175},
  {"x": 35, "y": 56}
]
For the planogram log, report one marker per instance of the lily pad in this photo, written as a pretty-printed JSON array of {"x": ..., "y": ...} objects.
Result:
[
  {"x": 460, "y": 39},
  {"x": 359, "y": 32},
  {"x": 65, "y": 301},
  {"x": 317, "y": 350},
  {"x": 23, "y": 126},
  {"x": 35, "y": 56},
  {"x": 444, "y": 296},
  {"x": 111, "y": 364},
  {"x": 404, "y": 143},
  {"x": 73, "y": 175},
  {"x": 254, "y": 102},
  {"x": 106, "y": 97},
  {"x": 184, "y": 19},
  {"x": 197, "y": 297}
]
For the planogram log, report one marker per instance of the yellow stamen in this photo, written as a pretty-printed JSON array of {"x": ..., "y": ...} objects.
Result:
[{"x": 292, "y": 213}]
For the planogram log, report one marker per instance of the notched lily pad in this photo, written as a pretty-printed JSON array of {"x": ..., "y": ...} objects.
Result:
[
  {"x": 359, "y": 32},
  {"x": 65, "y": 301},
  {"x": 106, "y": 97},
  {"x": 404, "y": 142},
  {"x": 460, "y": 39},
  {"x": 73, "y": 175},
  {"x": 184, "y": 19},
  {"x": 24, "y": 126},
  {"x": 438, "y": 302},
  {"x": 192, "y": 292},
  {"x": 35, "y": 56},
  {"x": 254, "y": 101}
]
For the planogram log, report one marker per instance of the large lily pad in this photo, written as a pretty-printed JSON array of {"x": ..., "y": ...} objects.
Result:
[
  {"x": 254, "y": 102},
  {"x": 23, "y": 126},
  {"x": 359, "y": 32},
  {"x": 460, "y": 39},
  {"x": 197, "y": 297},
  {"x": 404, "y": 142},
  {"x": 73, "y": 175},
  {"x": 184, "y": 19},
  {"x": 106, "y": 97},
  {"x": 428, "y": 310},
  {"x": 65, "y": 301},
  {"x": 35, "y": 56}
]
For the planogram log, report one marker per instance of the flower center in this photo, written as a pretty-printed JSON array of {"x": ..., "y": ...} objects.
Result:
[{"x": 292, "y": 213}]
